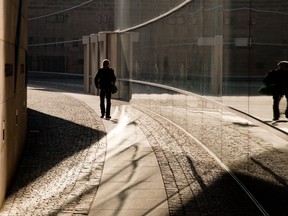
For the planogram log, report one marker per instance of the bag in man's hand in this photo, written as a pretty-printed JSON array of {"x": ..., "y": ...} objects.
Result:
[
  {"x": 267, "y": 90},
  {"x": 114, "y": 89}
]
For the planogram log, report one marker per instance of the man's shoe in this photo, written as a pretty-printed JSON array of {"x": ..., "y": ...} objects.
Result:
[
  {"x": 102, "y": 116},
  {"x": 108, "y": 117}
]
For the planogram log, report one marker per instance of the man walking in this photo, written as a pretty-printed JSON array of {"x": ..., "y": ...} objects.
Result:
[
  {"x": 278, "y": 79},
  {"x": 104, "y": 80}
]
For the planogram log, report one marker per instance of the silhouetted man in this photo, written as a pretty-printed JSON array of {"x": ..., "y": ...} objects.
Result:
[
  {"x": 278, "y": 78},
  {"x": 104, "y": 80}
]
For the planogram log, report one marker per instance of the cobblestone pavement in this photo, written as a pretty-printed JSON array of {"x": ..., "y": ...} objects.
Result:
[
  {"x": 62, "y": 164},
  {"x": 255, "y": 156},
  {"x": 195, "y": 183},
  {"x": 61, "y": 168}
]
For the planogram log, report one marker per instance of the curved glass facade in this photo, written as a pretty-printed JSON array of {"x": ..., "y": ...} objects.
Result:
[
  {"x": 200, "y": 64},
  {"x": 208, "y": 47},
  {"x": 213, "y": 48}
]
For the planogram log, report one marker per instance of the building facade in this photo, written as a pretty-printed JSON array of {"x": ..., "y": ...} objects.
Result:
[
  {"x": 13, "y": 107},
  {"x": 56, "y": 28}
]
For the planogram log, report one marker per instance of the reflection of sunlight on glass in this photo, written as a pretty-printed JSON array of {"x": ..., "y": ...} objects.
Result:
[
  {"x": 284, "y": 129},
  {"x": 236, "y": 119}
]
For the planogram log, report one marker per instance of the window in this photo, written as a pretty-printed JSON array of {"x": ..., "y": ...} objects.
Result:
[{"x": 60, "y": 18}]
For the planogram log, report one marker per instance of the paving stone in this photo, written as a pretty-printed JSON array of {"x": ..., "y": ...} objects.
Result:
[
  {"x": 58, "y": 161},
  {"x": 62, "y": 165}
]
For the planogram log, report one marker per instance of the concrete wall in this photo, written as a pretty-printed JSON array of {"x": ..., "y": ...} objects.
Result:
[{"x": 13, "y": 93}]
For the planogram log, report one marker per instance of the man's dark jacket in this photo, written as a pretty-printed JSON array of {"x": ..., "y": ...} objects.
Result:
[
  {"x": 104, "y": 78},
  {"x": 279, "y": 79}
]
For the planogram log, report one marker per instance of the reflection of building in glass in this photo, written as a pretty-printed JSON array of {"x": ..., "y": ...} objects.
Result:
[
  {"x": 56, "y": 29},
  {"x": 205, "y": 46}
]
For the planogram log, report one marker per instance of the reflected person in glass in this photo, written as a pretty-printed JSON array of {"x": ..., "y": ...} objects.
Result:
[
  {"x": 104, "y": 80},
  {"x": 278, "y": 78}
]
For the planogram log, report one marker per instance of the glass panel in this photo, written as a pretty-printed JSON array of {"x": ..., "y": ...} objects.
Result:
[{"x": 218, "y": 51}]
